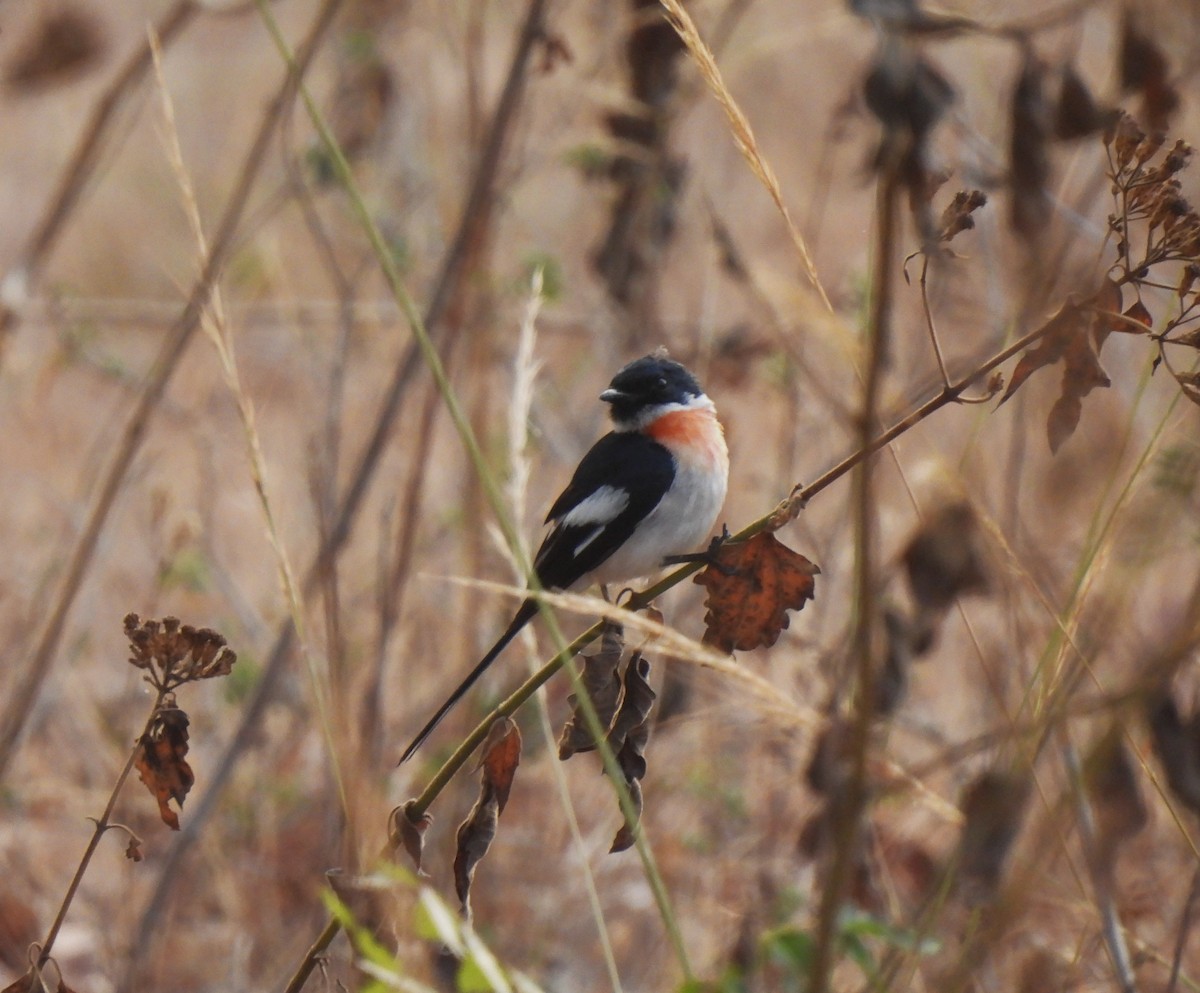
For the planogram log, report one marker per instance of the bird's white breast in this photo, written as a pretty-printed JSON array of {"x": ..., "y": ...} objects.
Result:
[{"x": 684, "y": 518}]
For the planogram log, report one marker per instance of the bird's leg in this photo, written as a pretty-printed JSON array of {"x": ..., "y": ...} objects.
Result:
[{"x": 708, "y": 557}]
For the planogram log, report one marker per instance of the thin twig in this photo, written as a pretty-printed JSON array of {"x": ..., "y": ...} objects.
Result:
[
  {"x": 933, "y": 338},
  {"x": 102, "y": 826}
]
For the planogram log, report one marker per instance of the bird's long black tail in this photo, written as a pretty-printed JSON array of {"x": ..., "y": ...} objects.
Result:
[{"x": 523, "y": 617}]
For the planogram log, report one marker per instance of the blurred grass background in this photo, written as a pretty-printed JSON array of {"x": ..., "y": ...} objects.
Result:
[{"x": 410, "y": 89}]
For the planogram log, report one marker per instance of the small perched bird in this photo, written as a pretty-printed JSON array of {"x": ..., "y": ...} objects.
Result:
[{"x": 645, "y": 493}]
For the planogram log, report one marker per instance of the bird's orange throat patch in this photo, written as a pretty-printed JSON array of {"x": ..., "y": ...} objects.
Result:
[{"x": 692, "y": 436}]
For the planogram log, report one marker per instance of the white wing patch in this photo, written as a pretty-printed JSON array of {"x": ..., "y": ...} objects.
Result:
[{"x": 601, "y": 507}]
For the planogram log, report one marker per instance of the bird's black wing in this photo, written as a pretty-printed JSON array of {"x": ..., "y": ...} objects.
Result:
[
  {"x": 619, "y": 481},
  {"x": 625, "y": 475}
]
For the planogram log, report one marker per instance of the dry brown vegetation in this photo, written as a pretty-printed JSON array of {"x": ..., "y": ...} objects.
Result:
[{"x": 971, "y": 762}]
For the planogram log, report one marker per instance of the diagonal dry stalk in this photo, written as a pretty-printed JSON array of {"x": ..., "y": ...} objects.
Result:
[{"x": 215, "y": 325}]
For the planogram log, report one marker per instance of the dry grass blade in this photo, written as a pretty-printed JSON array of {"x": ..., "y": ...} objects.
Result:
[
  {"x": 743, "y": 135},
  {"x": 216, "y": 328},
  {"x": 672, "y": 643}
]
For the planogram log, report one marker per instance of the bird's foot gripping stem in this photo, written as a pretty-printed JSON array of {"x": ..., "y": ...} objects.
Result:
[{"x": 710, "y": 556}]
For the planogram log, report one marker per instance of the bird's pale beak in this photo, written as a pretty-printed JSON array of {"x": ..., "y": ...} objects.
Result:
[{"x": 612, "y": 396}]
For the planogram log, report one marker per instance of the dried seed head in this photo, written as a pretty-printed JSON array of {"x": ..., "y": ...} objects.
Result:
[{"x": 173, "y": 653}]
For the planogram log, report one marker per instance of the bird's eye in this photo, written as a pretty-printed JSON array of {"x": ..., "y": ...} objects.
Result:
[{"x": 662, "y": 382}]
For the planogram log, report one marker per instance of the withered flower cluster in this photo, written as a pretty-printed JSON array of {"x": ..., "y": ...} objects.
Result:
[
  {"x": 172, "y": 653},
  {"x": 1151, "y": 193}
]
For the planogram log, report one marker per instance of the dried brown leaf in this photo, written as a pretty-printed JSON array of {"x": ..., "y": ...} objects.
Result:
[
  {"x": 160, "y": 760},
  {"x": 637, "y": 698},
  {"x": 408, "y": 832},
  {"x": 626, "y": 836},
  {"x": 501, "y": 755},
  {"x": 993, "y": 806},
  {"x": 1143, "y": 68},
  {"x": 1078, "y": 115},
  {"x": 1138, "y": 312},
  {"x": 628, "y": 738},
  {"x": 1029, "y": 151},
  {"x": 66, "y": 42},
  {"x": 1063, "y": 420},
  {"x": 1177, "y": 745},
  {"x": 1117, "y": 805},
  {"x": 943, "y": 560},
  {"x": 602, "y": 682},
  {"x": 1059, "y": 331},
  {"x": 1073, "y": 336},
  {"x": 749, "y": 594}
]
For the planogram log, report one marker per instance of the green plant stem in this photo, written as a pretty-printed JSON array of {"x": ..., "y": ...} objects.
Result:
[{"x": 102, "y": 826}]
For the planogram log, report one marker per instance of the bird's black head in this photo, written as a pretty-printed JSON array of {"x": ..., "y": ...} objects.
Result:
[{"x": 647, "y": 383}]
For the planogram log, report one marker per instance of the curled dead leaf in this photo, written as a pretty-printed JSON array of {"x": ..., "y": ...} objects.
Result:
[
  {"x": 1176, "y": 743},
  {"x": 1073, "y": 336},
  {"x": 993, "y": 806},
  {"x": 628, "y": 737},
  {"x": 1029, "y": 153},
  {"x": 160, "y": 760},
  {"x": 602, "y": 682},
  {"x": 1077, "y": 114},
  {"x": 501, "y": 756},
  {"x": 1143, "y": 68},
  {"x": 751, "y": 590},
  {"x": 943, "y": 560},
  {"x": 1117, "y": 804},
  {"x": 407, "y": 830}
]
